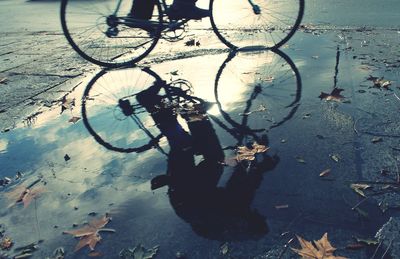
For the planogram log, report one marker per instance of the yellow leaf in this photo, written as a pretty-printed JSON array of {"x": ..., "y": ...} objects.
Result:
[{"x": 321, "y": 249}]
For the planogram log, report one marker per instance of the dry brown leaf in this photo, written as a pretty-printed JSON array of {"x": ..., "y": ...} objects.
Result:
[
  {"x": 89, "y": 234},
  {"x": 6, "y": 243},
  {"x": 89, "y": 240},
  {"x": 245, "y": 153},
  {"x": 321, "y": 249},
  {"x": 74, "y": 119},
  {"x": 333, "y": 96},
  {"x": 24, "y": 195}
]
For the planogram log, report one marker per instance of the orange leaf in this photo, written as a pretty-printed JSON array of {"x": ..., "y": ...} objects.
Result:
[
  {"x": 90, "y": 240},
  {"x": 321, "y": 249}
]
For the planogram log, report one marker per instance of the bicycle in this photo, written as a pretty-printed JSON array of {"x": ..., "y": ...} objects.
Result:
[
  {"x": 116, "y": 120},
  {"x": 103, "y": 33}
]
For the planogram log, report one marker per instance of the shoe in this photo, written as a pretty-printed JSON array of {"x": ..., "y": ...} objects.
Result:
[{"x": 186, "y": 11}]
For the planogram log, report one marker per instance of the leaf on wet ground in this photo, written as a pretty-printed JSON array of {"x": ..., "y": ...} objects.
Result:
[
  {"x": 6, "y": 243},
  {"x": 224, "y": 249},
  {"x": 360, "y": 188},
  {"x": 376, "y": 139},
  {"x": 3, "y": 80},
  {"x": 367, "y": 241},
  {"x": 380, "y": 82},
  {"x": 89, "y": 233},
  {"x": 24, "y": 195},
  {"x": 335, "y": 157},
  {"x": 192, "y": 42},
  {"x": 67, "y": 104},
  {"x": 174, "y": 73},
  {"x": 67, "y": 157},
  {"x": 245, "y": 153},
  {"x": 74, "y": 119},
  {"x": 139, "y": 252},
  {"x": 300, "y": 159},
  {"x": 324, "y": 173},
  {"x": 333, "y": 96},
  {"x": 321, "y": 249}
]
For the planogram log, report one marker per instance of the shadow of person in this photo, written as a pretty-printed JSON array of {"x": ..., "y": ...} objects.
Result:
[{"x": 213, "y": 211}]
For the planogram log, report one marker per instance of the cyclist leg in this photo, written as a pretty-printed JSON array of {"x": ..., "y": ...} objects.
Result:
[{"x": 142, "y": 9}]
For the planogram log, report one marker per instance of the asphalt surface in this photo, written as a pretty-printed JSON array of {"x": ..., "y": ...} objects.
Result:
[{"x": 340, "y": 45}]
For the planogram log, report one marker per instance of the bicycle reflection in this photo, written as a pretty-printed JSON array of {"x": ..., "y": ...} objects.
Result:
[{"x": 213, "y": 211}]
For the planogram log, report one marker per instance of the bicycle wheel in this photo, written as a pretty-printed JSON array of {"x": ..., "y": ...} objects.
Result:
[
  {"x": 108, "y": 38},
  {"x": 112, "y": 114},
  {"x": 255, "y": 23},
  {"x": 258, "y": 90}
]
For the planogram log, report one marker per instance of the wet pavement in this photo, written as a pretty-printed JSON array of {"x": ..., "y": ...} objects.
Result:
[{"x": 84, "y": 169}]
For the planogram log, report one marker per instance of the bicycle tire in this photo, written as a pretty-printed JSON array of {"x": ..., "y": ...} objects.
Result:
[
  {"x": 242, "y": 28},
  {"x": 86, "y": 31},
  {"x": 104, "y": 120},
  {"x": 282, "y": 80}
]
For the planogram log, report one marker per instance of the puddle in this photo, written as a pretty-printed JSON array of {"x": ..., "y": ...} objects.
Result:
[{"x": 105, "y": 161}]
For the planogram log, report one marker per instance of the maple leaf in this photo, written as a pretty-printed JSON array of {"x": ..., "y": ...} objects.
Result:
[
  {"x": 245, "y": 153},
  {"x": 321, "y": 249},
  {"x": 89, "y": 234},
  {"x": 333, "y": 96},
  {"x": 24, "y": 195}
]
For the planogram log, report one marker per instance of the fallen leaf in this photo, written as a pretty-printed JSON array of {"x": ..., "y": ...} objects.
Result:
[
  {"x": 359, "y": 188},
  {"x": 245, "y": 153},
  {"x": 89, "y": 234},
  {"x": 24, "y": 195},
  {"x": 224, "y": 249},
  {"x": 376, "y": 139},
  {"x": 324, "y": 173},
  {"x": 380, "y": 82},
  {"x": 139, "y": 252},
  {"x": 174, "y": 73},
  {"x": 333, "y": 96},
  {"x": 192, "y": 42},
  {"x": 67, "y": 103},
  {"x": 321, "y": 249},
  {"x": 6, "y": 243},
  {"x": 367, "y": 241},
  {"x": 300, "y": 159},
  {"x": 3, "y": 80},
  {"x": 74, "y": 119},
  {"x": 335, "y": 157}
]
